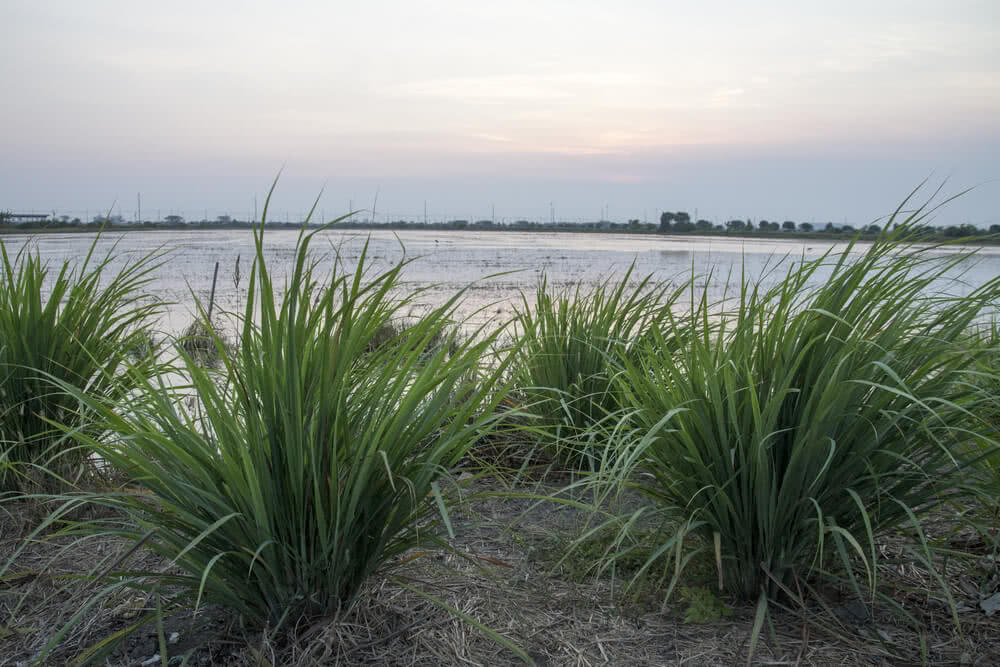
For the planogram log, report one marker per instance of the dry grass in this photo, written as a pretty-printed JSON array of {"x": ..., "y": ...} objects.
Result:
[
  {"x": 501, "y": 574},
  {"x": 201, "y": 343}
]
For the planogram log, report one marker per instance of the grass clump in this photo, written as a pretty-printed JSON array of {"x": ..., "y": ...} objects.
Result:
[
  {"x": 795, "y": 425},
  {"x": 315, "y": 463},
  {"x": 87, "y": 325},
  {"x": 572, "y": 346}
]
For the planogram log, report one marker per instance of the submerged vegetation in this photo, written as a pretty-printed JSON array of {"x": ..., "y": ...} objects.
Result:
[{"x": 764, "y": 449}]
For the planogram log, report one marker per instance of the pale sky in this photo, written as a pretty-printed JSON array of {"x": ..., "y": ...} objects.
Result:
[{"x": 780, "y": 110}]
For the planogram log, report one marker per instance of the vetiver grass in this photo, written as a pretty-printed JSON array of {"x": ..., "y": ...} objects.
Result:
[
  {"x": 572, "y": 345},
  {"x": 312, "y": 458},
  {"x": 986, "y": 339},
  {"x": 794, "y": 427},
  {"x": 86, "y": 324}
]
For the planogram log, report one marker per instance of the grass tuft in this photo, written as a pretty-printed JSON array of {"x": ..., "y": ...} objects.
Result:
[
  {"x": 572, "y": 346},
  {"x": 315, "y": 463},
  {"x": 86, "y": 324},
  {"x": 797, "y": 423}
]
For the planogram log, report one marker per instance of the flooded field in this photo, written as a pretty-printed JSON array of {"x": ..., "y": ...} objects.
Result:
[{"x": 494, "y": 267}]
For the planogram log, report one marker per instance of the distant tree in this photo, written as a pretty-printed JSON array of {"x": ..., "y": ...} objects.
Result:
[
  {"x": 684, "y": 226},
  {"x": 873, "y": 229},
  {"x": 224, "y": 219},
  {"x": 735, "y": 225},
  {"x": 829, "y": 228},
  {"x": 805, "y": 227},
  {"x": 994, "y": 229},
  {"x": 788, "y": 226},
  {"x": 961, "y": 231},
  {"x": 666, "y": 218},
  {"x": 703, "y": 225},
  {"x": 174, "y": 220},
  {"x": 763, "y": 225},
  {"x": 848, "y": 229},
  {"x": 682, "y": 217},
  {"x": 773, "y": 227},
  {"x": 919, "y": 231},
  {"x": 634, "y": 223}
]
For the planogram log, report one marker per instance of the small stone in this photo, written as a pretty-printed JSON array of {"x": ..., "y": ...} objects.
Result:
[
  {"x": 991, "y": 605},
  {"x": 174, "y": 637},
  {"x": 853, "y": 611},
  {"x": 151, "y": 661}
]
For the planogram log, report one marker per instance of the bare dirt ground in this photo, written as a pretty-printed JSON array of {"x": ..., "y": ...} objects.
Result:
[{"x": 505, "y": 573}]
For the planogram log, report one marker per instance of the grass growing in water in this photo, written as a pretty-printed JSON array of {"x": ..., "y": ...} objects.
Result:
[
  {"x": 317, "y": 462},
  {"x": 91, "y": 330},
  {"x": 204, "y": 342}
]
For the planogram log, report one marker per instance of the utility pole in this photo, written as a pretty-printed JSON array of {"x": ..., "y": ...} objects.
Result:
[
  {"x": 138, "y": 207},
  {"x": 493, "y": 213},
  {"x": 552, "y": 212},
  {"x": 425, "y": 211}
]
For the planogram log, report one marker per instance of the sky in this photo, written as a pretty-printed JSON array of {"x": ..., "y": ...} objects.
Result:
[{"x": 782, "y": 109}]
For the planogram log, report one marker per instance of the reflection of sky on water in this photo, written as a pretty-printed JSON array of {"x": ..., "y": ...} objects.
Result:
[{"x": 494, "y": 266}]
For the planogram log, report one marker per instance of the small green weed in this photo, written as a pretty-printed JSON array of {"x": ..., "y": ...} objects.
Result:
[{"x": 702, "y": 605}]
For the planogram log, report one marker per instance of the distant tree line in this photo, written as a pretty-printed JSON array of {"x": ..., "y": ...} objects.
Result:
[{"x": 681, "y": 223}]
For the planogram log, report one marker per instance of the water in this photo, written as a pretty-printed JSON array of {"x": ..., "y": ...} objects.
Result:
[{"x": 494, "y": 267}]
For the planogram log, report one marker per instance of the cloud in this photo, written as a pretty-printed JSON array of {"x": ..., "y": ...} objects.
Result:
[{"x": 524, "y": 87}]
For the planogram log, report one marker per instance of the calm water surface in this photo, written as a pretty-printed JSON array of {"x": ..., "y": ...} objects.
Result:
[{"x": 495, "y": 266}]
